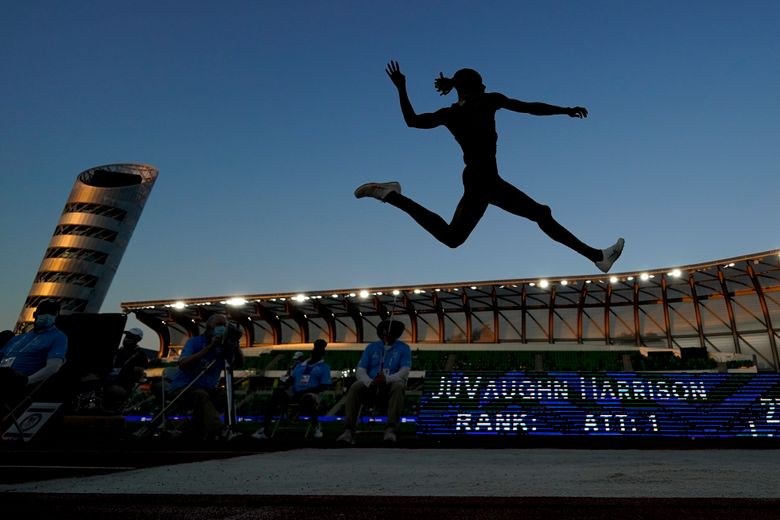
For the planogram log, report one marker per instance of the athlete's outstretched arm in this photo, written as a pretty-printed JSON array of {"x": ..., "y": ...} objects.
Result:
[
  {"x": 411, "y": 118},
  {"x": 540, "y": 109}
]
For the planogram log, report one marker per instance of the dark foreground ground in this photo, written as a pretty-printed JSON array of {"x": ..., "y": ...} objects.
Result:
[{"x": 208, "y": 507}]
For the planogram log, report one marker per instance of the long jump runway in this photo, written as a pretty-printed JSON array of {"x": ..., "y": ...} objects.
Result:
[{"x": 426, "y": 483}]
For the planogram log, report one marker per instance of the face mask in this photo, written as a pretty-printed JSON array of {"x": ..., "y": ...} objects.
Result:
[
  {"x": 219, "y": 330},
  {"x": 43, "y": 321}
]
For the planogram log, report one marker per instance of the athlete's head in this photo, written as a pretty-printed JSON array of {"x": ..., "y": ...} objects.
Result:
[{"x": 466, "y": 81}]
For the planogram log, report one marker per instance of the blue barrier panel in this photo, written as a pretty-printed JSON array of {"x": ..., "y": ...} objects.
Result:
[{"x": 602, "y": 404}]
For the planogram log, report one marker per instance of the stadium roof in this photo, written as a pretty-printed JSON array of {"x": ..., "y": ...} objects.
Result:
[{"x": 725, "y": 305}]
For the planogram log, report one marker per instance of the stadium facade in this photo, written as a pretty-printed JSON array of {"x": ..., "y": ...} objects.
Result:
[
  {"x": 90, "y": 239},
  {"x": 725, "y": 306}
]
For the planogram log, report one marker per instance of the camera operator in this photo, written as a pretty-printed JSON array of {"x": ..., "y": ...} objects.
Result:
[{"x": 201, "y": 363}]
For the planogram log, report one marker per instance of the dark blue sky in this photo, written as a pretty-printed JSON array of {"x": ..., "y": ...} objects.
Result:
[{"x": 263, "y": 117}]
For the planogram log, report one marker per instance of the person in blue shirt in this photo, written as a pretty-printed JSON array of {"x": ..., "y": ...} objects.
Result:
[
  {"x": 31, "y": 358},
  {"x": 307, "y": 380},
  {"x": 200, "y": 366},
  {"x": 381, "y": 379}
]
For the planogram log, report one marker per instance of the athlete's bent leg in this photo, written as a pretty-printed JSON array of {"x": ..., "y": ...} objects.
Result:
[
  {"x": 470, "y": 209},
  {"x": 514, "y": 201}
]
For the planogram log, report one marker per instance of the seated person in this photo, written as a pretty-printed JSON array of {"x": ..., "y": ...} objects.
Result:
[
  {"x": 304, "y": 385},
  {"x": 200, "y": 367},
  {"x": 31, "y": 358},
  {"x": 381, "y": 379},
  {"x": 128, "y": 369},
  {"x": 296, "y": 360}
]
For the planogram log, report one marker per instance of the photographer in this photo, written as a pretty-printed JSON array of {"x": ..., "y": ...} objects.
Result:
[{"x": 201, "y": 364}]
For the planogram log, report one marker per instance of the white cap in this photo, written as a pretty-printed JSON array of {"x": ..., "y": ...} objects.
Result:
[
  {"x": 298, "y": 355},
  {"x": 135, "y": 331}
]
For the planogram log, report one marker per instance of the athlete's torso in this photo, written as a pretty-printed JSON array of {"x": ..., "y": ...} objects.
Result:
[{"x": 473, "y": 124}]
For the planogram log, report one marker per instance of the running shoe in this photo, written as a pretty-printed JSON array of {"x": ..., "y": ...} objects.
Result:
[
  {"x": 610, "y": 255},
  {"x": 348, "y": 437},
  {"x": 377, "y": 190},
  {"x": 260, "y": 435}
]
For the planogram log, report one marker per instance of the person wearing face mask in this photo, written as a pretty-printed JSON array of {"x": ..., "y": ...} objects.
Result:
[
  {"x": 31, "y": 358},
  {"x": 128, "y": 369},
  {"x": 381, "y": 379},
  {"x": 200, "y": 366},
  {"x": 308, "y": 379}
]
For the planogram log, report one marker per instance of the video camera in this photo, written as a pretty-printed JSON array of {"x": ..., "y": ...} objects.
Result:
[{"x": 231, "y": 342}]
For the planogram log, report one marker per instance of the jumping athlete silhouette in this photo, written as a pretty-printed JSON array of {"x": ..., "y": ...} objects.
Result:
[{"x": 473, "y": 124}]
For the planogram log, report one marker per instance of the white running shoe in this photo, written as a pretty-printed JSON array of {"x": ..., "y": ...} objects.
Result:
[
  {"x": 317, "y": 432},
  {"x": 611, "y": 254},
  {"x": 377, "y": 190},
  {"x": 348, "y": 437},
  {"x": 390, "y": 436},
  {"x": 260, "y": 435}
]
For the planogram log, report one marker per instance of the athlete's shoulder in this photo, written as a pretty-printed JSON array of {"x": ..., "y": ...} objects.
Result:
[{"x": 496, "y": 99}]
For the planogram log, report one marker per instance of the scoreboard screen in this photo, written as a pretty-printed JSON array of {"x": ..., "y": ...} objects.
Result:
[{"x": 601, "y": 404}]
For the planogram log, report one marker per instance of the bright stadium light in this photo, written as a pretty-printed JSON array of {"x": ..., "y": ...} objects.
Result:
[
  {"x": 236, "y": 302},
  {"x": 544, "y": 284},
  {"x": 676, "y": 273},
  {"x": 613, "y": 279},
  {"x": 299, "y": 297},
  {"x": 644, "y": 277},
  {"x": 364, "y": 294},
  {"x": 630, "y": 278},
  {"x": 396, "y": 292},
  {"x": 334, "y": 295},
  {"x": 179, "y": 305},
  {"x": 564, "y": 282}
]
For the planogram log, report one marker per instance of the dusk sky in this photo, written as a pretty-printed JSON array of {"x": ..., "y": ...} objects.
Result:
[{"x": 263, "y": 117}]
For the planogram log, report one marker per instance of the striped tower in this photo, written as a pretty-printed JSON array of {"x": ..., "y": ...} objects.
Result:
[{"x": 90, "y": 238}]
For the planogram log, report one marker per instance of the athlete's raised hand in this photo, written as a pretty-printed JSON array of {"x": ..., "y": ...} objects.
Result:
[
  {"x": 394, "y": 72},
  {"x": 577, "y": 112}
]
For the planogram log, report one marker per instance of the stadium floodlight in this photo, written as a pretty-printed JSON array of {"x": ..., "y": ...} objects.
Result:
[
  {"x": 676, "y": 273},
  {"x": 179, "y": 305},
  {"x": 564, "y": 282},
  {"x": 613, "y": 279},
  {"x": 334, "y": 295},
  {"x": 396, "y": 292},
  {"x": 299, "y": 297},
  {"x": 236, "y": 302},
  {"x": 644, "y": 277},
  {"x": 544, "y": 283},
  {"x": 352, "y": 295},
  {"x": 364, "y": 294},
  {"x": 473, "y": 287}
]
